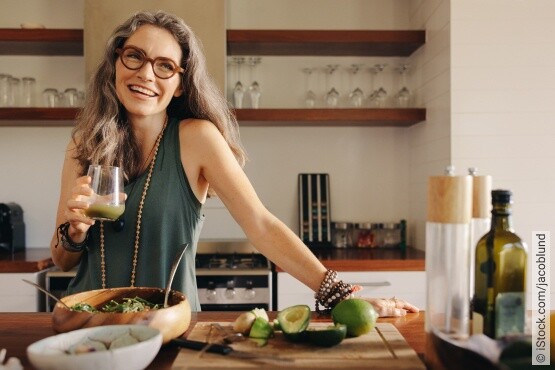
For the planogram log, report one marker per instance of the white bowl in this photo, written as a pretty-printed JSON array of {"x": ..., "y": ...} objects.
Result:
[{"x": 50, "y": 353}]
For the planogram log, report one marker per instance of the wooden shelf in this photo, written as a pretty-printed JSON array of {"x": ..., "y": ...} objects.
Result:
[
  {"x": 331, "y": 117},
  {"x": 15, "y": 41},
  {"x": 39, "y": 117},
  {"x": 329, "y": 43}
]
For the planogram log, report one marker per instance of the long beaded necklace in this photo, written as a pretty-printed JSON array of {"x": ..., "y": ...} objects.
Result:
[{"x": 139, "y": 217}]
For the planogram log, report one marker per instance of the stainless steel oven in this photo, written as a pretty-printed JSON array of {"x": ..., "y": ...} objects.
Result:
[{"x": 233, "y": 281}]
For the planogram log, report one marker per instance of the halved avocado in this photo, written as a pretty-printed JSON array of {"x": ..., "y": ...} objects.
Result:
[
  {"x": 327, "y": 336},
  {"x": 294, "y": 319}
]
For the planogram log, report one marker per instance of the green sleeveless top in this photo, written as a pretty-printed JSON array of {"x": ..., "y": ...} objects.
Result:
[{"x": 171, "y": 216}]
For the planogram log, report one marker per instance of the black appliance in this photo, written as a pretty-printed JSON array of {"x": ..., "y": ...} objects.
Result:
[{"x": 12, "y": 228}]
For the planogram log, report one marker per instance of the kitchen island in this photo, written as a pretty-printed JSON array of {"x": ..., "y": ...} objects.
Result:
[{"x": 18, "y": 330}]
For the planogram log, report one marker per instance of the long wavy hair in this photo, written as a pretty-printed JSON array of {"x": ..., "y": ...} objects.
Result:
[{"x": 102, "y": 133}]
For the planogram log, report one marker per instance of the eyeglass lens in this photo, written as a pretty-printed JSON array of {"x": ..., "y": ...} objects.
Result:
[{"x": 134, "y": 59}]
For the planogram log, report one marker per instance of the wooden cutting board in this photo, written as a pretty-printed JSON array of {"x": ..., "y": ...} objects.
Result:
[{"x": 383, "y": 348}]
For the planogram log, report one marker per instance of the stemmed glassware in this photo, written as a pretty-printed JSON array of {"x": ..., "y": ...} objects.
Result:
[
  {"x": 238, "y": 89},
  {"x": 379, "y": 95},
  {"x": 332, "y": 96},
  {"x": 310, "y": 96},
  {"x": 254, "y": 88},
  {"x": 356, "y": 96},
  {"x": 403, "y": 96}
]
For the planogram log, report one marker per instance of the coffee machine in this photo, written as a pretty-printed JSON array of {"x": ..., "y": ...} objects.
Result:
[{"x": 12, "y": 228}]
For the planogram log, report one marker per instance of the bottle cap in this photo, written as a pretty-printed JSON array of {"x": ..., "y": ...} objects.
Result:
[{"x": 501, "y": 196}]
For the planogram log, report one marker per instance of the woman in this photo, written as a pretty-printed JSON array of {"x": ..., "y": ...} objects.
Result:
[{"x": 152, "y": 110}]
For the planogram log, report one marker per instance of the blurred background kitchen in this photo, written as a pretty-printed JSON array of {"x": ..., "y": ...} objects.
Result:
[{"x": 485, "y": 77}]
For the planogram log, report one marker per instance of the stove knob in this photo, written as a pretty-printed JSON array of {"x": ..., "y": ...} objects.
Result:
[
  {"x": 211, "y": 291},
  {"x": 230, "y": 290},
  {"x": 249, "y": 292}
]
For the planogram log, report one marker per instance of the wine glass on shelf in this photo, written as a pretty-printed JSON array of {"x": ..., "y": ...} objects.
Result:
[
  {"x": 254, "y": 88},
  {"x": 403, "y": 96},
  {"x": 310, "y": 96},
  {"x": 380, "y": 93},
  {"x": 108, "y": 200},
  {"x": 238, "y": 89},
  {"x": 332, "y": 95},
  {"x": 356, "y": 95}
]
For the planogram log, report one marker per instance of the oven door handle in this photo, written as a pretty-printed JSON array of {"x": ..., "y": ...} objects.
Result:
[{"x": 373, "y": 284}]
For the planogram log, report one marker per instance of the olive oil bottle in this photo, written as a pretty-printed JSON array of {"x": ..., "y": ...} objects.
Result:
[{"x": 499, "y": 274}]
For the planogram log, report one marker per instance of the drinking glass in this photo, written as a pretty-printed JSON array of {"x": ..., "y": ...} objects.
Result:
[
  {"x": 238, "y": 89},
  {"x": 332, "y": 96},
  {"x": 310, "y": 96},
  {"x": 28, "y": 93},
  {"x": 380, "y": 93},
  {"x": 403, "y": 96},
  {"x": 4, "y": 89},
  {"x": 50, "y": 97},
  {"x": 14, "y": 98},
  {"x": 356, "y": 96},
  {"x": 108, "y": 200},
  {"x": 254, "y": 88}
]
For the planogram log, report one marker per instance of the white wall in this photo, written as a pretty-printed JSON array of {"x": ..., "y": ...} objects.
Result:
[
  {"x": 503, "y": 78},
  {"x": 429, "y": 142}
]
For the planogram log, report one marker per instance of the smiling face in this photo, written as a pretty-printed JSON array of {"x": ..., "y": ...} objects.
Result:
[{"x": 140, "y": 91}]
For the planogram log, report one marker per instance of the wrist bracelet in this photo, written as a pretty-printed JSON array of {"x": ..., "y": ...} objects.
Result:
[
  {"x": 68, "y": 244},
  {"x": 331, "y": 292}
]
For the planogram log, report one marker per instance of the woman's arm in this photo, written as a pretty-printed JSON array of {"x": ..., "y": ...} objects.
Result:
[
  {"x": 70, "y": 209},
  {"x": 208, "y": 160}
]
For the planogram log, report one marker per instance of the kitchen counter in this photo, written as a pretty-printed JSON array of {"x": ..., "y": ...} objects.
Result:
[
  {"x": 18, "y": 330},
  {"x": 370, "y": 259},
  {"x": 29, "y": 260}
]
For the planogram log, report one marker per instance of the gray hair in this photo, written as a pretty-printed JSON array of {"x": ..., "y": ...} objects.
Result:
[{"x": 102, "y": 132}]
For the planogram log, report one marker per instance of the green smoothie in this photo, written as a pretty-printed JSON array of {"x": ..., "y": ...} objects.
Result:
[{"x": 107, "y": 212}]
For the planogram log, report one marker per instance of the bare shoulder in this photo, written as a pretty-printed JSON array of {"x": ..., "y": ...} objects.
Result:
[{"x": 198, "y": 131}]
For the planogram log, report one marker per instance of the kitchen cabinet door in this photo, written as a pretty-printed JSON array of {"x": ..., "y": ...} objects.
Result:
[
  {"x": 408, "y": 285},
  {"x": 18, "y": 296}
]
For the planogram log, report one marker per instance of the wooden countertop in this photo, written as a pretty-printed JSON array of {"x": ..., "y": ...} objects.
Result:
[
  {"x": 370, "y": 259},
  {"x": 30, "y": 260},
  {"x": 19, "y": 330}
]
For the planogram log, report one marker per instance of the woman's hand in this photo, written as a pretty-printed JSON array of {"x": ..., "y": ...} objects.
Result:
[
  {"x": 391, "y": 306},
  {"x": 77, "y": 204}
]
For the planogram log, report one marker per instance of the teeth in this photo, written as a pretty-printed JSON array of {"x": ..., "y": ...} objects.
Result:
[{"x": 142, "y": 90}]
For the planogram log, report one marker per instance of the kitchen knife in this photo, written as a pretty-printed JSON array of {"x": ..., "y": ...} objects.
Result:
[{"x": 229, "y": 351}]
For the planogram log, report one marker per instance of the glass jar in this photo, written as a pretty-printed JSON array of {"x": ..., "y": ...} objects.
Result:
[
  {"x": 391, "y": 234},
  {"x": 363, "y": 235},
  {"x": 28, "y": 91},
  {"x": 342, "y": 234},
  {"x": 377, "y": 235}
]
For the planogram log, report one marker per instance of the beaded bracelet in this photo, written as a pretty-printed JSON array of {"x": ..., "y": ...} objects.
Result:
[
  {"x": 331, "y": 292},
  {"x": 68, "y": 244}
]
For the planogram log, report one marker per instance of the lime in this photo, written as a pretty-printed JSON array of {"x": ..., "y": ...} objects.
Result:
[
  {"x": 261, "y": 329},
  {"x": 326, "y": 336},
  {"x": 294, "y": 319},
  {"x": 357, "y": 314}
]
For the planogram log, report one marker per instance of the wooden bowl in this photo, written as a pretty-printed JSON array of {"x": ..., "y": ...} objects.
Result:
[{"x": 172, "y": 321}]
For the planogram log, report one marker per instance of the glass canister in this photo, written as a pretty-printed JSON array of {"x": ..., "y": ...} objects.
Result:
[
  {"x": 391, "y": 234},
  {"x": 342, "y": 234},
  {"x": 28, "y": 91},
  {"x": 14, "y": 97},
  {"x": 363, "y": 235},
  {"x": 4, "y": 89}
]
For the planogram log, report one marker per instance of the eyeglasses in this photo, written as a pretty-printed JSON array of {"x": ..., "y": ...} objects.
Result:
[{"x": 134, "y": 59}]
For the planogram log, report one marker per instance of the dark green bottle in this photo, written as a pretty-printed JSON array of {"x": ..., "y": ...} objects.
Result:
[{"x": 499, "y": 274}]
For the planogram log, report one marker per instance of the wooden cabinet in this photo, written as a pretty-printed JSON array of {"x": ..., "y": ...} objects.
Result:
[
  {"x": 408, "y": 285},
  {"x": 240, "y": 42}
]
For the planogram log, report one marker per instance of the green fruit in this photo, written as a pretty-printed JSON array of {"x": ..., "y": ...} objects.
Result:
[
  {"x": 294, "y": 319},
  {"x": 357, "y": 314},
  {"x": 326, "y": 337},
  {"x": 261, "y": 329},
  {"x": 276, "y": 325}
]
